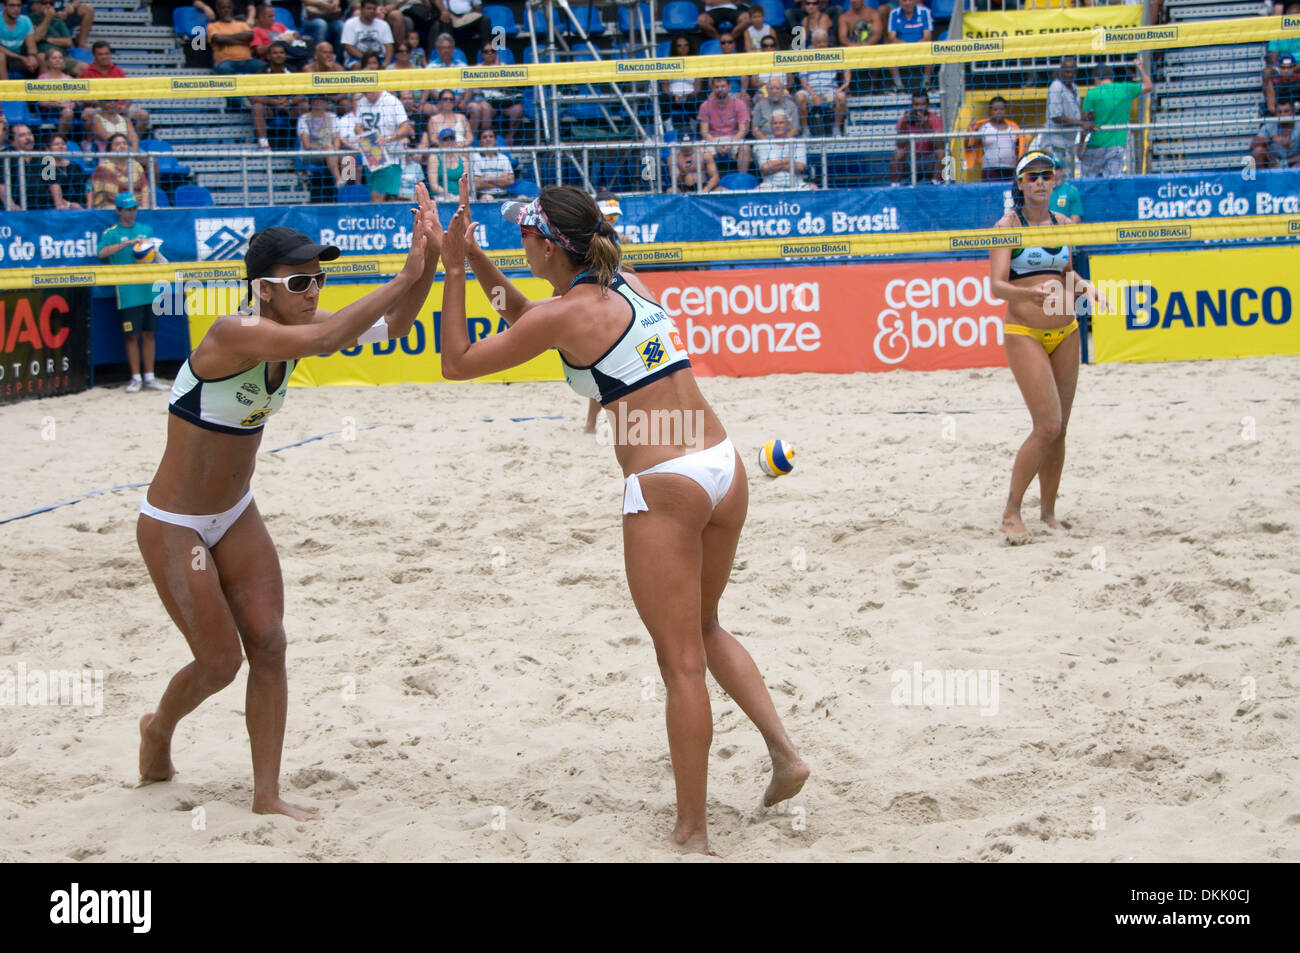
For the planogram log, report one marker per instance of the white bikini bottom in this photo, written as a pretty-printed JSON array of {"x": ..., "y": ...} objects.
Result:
[{"x": 714, "y": 469}]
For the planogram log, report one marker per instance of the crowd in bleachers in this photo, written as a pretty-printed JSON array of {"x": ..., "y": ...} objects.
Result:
[{"x": 737, "y": 131}]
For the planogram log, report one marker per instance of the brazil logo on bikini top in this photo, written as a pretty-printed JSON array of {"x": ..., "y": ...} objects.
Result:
[
  {"x": 652, "y": 352},
  {"x": 1036, "y": 256}
]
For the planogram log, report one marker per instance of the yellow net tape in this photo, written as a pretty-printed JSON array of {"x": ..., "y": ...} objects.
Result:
[{"x": 1109, "y": 40}]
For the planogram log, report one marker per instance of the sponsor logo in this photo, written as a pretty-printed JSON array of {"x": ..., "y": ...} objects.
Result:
[
  {"x": 647, "y": 255},
  {"x": 57, "y": 86},
  {"x": 966, "y": 47},
  {"x": 182, "y": 84},
  {"x": 820, "y": 248},
  {"x": 365, "y": 266},
  {"x": 222, "y": 238},
  {"x": 489, "y": 73},
  {"x": 1137, "y": 34},
  {"x": 652, "y": 352},
  {"x": 72, "y": 278},
  {"x": 1293, "y": 226},
  {"x": 1242, "y": 307},
  {"x": 657, "y": 66},
  {"x": 345, "y": 79},
  {"x": 1154, "y": 233},
  {"x": 902, "y": 328},
  {"x": 809, "y": 56},
  {"x": 1291, "y": 23},
  {"x": 216, "y": 272},
  {"x": 975, "y": 242},
  {"x": 255, "y": 418},
  {"x": 512, "y": 261}
]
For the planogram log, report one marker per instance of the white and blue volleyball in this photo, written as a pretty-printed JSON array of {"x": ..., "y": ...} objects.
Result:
[{"x": 776, "y": 458}]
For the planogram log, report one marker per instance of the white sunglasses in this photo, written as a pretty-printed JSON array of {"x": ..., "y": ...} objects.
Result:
[{"x": 299, "y": 284}]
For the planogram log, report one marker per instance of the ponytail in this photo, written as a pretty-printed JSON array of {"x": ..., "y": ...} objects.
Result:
[{"x": 575, "y": 214}]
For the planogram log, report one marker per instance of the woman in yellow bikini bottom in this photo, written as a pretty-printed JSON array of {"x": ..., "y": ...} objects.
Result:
[{"x": 1049, "y": 338}]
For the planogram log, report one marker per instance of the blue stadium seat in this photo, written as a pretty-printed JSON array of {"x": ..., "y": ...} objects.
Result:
[
  {"x": 284, "y": 17},
  {"x": 711, "y": 48},
  {"x": 539, "y": 23},
  {"x": 941, "y": 9},
  {"x": 167, "y": 163},
  {"x": 82, "y": 56},
  {"x": 504, "y": 56},
  {"x": 525, "y": 187},
  {"x": 348, "y": 195},
  {"x": 661, "y": 51},
  {"x": 196, "y": 196},
  {"x": 626, "y": 21},
  {"x": 185, "y": 19},
  {"x": 681, "y": 16},
  {"x": 501, "y": 16},
  {"x": 17, "y": 111},
  {"x": 738, "y": 182},
  {"x": 160, "y": 199},
  {"x": 76, "y": 155},
  {"x": 588, "y": 18}
]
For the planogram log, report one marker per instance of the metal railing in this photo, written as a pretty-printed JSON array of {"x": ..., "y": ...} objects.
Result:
[{"x": 257, "y": 167}]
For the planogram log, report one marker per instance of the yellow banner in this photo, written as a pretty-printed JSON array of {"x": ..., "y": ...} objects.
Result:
[
  {"x": 1037, "y": 22},
  {"x": 414, "y": 359},
  {"x": 1190, "y": 306},
  {"x": 1108, "y": 39}
]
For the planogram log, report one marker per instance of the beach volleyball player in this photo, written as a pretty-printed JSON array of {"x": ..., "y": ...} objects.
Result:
[
  {"x": 1040, "y": 288},
  {"x": 684, "y": 499},
  {"x": 200, "y": 532}
]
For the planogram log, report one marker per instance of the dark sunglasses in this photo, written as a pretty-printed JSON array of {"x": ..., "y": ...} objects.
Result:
[
  {"x": 299, "y": 283},
  {"x": 1039, "y": 176},
  {"x": 725, "y": 40}
]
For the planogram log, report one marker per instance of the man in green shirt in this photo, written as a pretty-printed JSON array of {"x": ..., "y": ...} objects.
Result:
[
  {"x": 1106, "y": 106},
  {"x": 134, "y": 302},
  {"x": 51, "y": 33}
]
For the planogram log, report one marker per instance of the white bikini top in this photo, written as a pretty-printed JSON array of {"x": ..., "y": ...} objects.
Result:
[
  {"x": 238, "y": 404},
  {"x": 649, "y": 349},
  {"x": 1027, "y": 262}
]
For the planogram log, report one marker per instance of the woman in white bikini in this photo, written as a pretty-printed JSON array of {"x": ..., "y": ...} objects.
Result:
[
  {"x": 685, "y": 493},
  {"x": 200, "y": 532}
]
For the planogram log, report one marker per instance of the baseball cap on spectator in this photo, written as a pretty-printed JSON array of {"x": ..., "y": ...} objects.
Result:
[
  {"x": 125, "y": 200},
  {"x": 446, "y": 132},
  {"x": 607, "y": 202},
  {"x": 1286, "y": 60}
]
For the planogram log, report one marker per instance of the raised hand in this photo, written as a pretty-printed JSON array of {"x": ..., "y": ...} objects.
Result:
[
  {"x": 415, "y": 257},
  {"x": 428, "y": 209}
]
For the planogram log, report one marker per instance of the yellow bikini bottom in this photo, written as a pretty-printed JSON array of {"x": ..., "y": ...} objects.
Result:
[{"x": 1049, "y": 338}]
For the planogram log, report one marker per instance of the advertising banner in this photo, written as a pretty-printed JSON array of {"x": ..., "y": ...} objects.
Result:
[
  {"x": 44, "y": 343},
  {"x": 1196, "y": 305},
  {"x": 1033, "y": 22}
]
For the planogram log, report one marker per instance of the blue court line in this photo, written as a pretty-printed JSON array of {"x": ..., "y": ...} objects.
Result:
[
  {"x": 515, "y": 420},
  {"x": 78, "y": 499},
  {"x": 322, "y": 436}
]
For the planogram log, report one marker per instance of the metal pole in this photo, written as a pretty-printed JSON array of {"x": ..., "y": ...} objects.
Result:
[
  {"x": 243, "y": 174},
  {"x": 270, "y": 180}
]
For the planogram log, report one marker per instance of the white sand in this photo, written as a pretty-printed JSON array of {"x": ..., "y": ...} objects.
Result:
[{"x": 466, "y": 577}]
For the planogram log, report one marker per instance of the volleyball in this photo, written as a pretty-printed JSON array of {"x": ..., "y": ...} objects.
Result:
[
  {"x": 146, "y": 250},
  {"x": 776, "y": 458}
]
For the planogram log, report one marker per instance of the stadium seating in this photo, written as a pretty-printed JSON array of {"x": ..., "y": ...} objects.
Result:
[
  {"x": 627, "y": 23},
  {"x": 738, "y": 182},
  {"x": 773, "y": 13},
  {"x": 160, "y": 199},
  {"x": 81, "y": 55},
  {"x": 285, "y": 19},
  {"x": 680, "y": 16},
  {"x": 503, "y": 17},
  {"x": 353, "y": 194},
  {"x": 196, "y": 196},
  {"x": 185, "y": 19},
  {"x": 17, "y": 111}
]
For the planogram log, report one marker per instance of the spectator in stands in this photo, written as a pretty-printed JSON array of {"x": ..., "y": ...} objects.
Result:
[
  {"x": 78, "y": 17},
  {"x": 724, "y": 119},
  {"x": 322, "y": 20},
  {"x": 995, "y": 143},
  {"x": 918, "y": 119},
  {"x": 109, "y": 121},
  {"x": 446, "y": 117},
  {"x": 721, "y": 16},
  {"x": 1278, "y": 142},
  {"x": 493, "y": 175},
  {"x": 823, "y": 89},
  {"x": 910, "y": 23},
  {"x": 322, "y": 60},
  {"x": 695, "y": 168},
  {"x": 757, "y": 29},
  {"x": 444, "y": 53},
  {"x": 481, "y": 104},
  {"x": 1106, "y": 106},
  {"x": 318, "y": 132},
  {"x": 409, "y": 20},
  {"x": 774, "y": 97},
  {"x": 370, "y": 61},
  {"x": 446, "y": 168},
  {"x": 1281, "y": 82},
  {"x": 266, "y": 30},
  {"x": 103, "y": 67},
  {"x": 50, "y": 33},
  {"x": 783, "y": 159},
  {"x": 116, "y": 173},
  {"x": 25, "y": 172},
  {"x": 1064, "y": 115},
  {"x": 1066, "y": 202},
  {"x": 67, "y": 189},
  {"x": 814, "y": 18},
  {"x": 134, "y": 302},
  {"x": 380, "y": 127},
  {"x": 64, "y": 110},
  {"x": 795, "y": 16},
  {"x": 679, "y": 99},
  {"x": 465, "y": 20},
  {"x": 282, "y": 111},
  {"x": 860, "y": 24},
  {"x": 367, "y": 33},
  {"x": 758, "y": 82},
  {"x": 231, "y": 42},
  {"x": 17, "y": 43}
]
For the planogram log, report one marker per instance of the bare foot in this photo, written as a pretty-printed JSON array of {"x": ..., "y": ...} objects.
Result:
[
  {"x": 689, "y": 843},
  {"x": 1052, "y": 523},
  {"x": 788, "y": 775},
  {"x": 1013, "y": 528},
  {"x": 278, "y": 805},
  {"x": 155, "y": 754}
]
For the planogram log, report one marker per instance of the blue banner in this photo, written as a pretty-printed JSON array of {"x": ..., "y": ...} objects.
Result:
[{"x": 53, "y": 239}]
